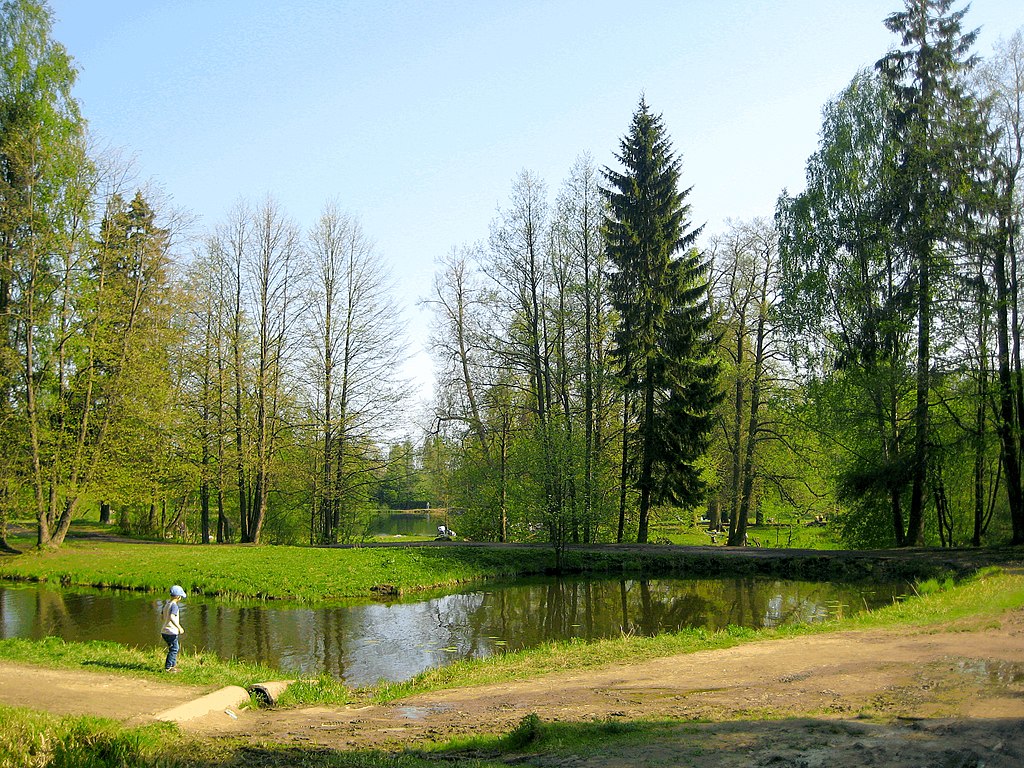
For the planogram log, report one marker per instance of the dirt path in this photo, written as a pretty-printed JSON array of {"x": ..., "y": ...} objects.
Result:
[
  {"x": 73, "y": 692},
  {"x": 842, "y": 699}
]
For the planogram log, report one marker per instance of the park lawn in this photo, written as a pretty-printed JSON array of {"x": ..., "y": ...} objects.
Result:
[
  {"x": 303, "y": 574},
  {"x": 773, "y": 535}
]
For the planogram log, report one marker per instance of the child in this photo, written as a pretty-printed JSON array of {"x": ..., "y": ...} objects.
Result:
[{"x": 171, "y": 629}]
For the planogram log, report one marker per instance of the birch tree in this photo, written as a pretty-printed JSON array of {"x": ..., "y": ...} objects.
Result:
[{"x": 356, "y": 346}]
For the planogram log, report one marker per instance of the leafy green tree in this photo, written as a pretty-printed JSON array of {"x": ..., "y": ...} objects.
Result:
[
  {"x": 846, "y": 301},
  {"x": 400, "y": 482},
  {"x": 745, "y": 288},
  {"x": 663, "y": 344},
  {"x": 938, "y": 134},
  {"x": 354, "y": 348},
  {"x": 45, "y": 180},
  {"x": 583, "y": 381},
  {"x": 124, "y": 395},
  {"x": 203, "y": 366},
  {"x": 1001, "y": 79}
]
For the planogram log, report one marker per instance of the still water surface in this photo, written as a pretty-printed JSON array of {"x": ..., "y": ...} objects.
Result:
[{"x": 362, "y": 643}]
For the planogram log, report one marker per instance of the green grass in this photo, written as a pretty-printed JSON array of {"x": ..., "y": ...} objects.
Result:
[
  {"x": 772, "y": 535},
  {"x": 294, "y": 573},
  {"x": 948, "y": 606},
  {"x": 30, "y": 739},
  {"x": 200, "y": 669},
  {"x": 307, "y": 574}
]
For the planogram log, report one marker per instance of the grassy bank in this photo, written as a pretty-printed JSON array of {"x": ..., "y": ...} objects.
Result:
[
  {"x": 310, "y": 575},
  {"x": 291, "y": 573},
  {"x": 196, "y": 668}
]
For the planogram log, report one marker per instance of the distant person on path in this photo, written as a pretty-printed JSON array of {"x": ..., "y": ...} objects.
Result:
[{"x": 171, "y": 628}]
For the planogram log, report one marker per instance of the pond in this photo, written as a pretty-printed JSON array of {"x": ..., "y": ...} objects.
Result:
[
  {"x": 365, "y": 642},
  {"x": 406, "y": 523}
]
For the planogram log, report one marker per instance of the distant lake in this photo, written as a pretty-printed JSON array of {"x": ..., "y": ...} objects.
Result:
[
  {"x": 363, "y": 642},
  {"x": 418, "y": 523}
]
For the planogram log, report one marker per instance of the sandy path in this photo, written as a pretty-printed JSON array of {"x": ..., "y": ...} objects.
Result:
[
  {"x": 75, "y": 692},
  {"x": 840, "y": 675}
]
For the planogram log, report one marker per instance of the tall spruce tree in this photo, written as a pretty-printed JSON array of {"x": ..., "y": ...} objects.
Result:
[{"x": 662, "y": 342}]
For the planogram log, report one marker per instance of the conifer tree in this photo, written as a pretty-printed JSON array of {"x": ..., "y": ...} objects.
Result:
[{"x": 662, "y": 342}]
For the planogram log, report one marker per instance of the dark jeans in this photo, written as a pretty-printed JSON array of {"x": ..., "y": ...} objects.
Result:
[{"x": 172, "y": 650}]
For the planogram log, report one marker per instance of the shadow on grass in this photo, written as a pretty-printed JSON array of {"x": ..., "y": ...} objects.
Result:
[
  {"x": 866, "y": 739},
  {"x": 639, "y": 744},
  {"x": 133, "y": 666}
]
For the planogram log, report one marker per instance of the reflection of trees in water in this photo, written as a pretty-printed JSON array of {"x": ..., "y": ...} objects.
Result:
[
  {"x": 52, "y": 616},
  {"x": 365, "y": 641},
  {"x": 328, "y": 644},
  {"x": 749, "y": 604},
  {"x": 526, "y": 616},
  {"x": 562, "y": 609},
  {"x": 252, "y": 631},
  {"x": 663, "y": 609},
  {"x": 463, "y": 625}
]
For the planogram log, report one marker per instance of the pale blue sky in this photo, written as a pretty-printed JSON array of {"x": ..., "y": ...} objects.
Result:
[{"x": 416, "y": 116}]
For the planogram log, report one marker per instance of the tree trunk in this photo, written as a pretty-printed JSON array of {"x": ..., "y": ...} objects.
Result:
[
  {"x": 1007, "y": 423},
  {"x": 915, "y": 521},
  {"x": 623, "y": 469},
  {"x": 647, "y": 457},
  {"x": 737, "y": 531}
]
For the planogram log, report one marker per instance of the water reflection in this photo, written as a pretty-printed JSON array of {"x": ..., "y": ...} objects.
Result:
[
  {"x": 407, "y": 523},
  {"x": 366, "y": 642}
]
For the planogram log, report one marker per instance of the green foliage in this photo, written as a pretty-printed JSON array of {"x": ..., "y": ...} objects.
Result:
[
  {"x": 662, "y": 344},
  {"x": 119, "y": 383},
  {"x": 853, "y": 341},
  {"x": 939, "y": 139},
  {"x": 45, "y": 178}
]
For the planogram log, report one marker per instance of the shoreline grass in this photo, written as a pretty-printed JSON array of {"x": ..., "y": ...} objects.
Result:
[
  {"x": 197, "y": 668},
  {"x": 301, "y": 574},
  {"x": 322, "y": 575}
]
